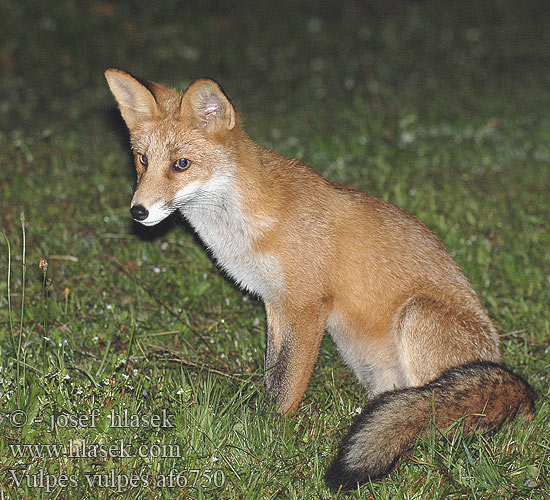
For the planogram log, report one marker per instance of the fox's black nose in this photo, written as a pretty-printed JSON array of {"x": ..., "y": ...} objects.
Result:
[{"x": 139, "y": 212}]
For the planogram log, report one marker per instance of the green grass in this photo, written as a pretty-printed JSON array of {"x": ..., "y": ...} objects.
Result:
[{"x": 441, "y": 108}]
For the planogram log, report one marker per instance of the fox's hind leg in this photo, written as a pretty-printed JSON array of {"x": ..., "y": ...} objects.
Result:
[
  {"x": 293, "y": 340},
  {"x": 433, "y": 335}
]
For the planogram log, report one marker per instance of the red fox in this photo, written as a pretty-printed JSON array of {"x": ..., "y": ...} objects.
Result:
[{"x": 322, "y": 257}]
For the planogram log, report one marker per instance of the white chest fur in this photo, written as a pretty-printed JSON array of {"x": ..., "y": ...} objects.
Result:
[{"x": 214, "y": 210}]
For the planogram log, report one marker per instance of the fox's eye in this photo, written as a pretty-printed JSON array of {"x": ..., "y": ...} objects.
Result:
[
  {"x": 143, "y": 160},
  {"x": 181, "y": 165}
]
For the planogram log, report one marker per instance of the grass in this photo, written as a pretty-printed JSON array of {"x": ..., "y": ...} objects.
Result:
[{"x": 440, "y": 108}]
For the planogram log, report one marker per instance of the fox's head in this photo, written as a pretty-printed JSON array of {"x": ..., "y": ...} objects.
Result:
[{"x": 179, "y": 141}]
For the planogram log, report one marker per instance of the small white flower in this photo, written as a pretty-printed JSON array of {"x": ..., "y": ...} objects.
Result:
[{"x": 407, "y": 138}]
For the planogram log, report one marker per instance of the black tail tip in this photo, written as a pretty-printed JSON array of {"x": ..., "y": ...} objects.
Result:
[{"x": 340, "y": 477}]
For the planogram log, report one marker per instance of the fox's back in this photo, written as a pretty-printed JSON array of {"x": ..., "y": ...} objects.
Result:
[{"x": 349, "y": 242}]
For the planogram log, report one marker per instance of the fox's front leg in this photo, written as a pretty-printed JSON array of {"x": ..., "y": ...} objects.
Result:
[
  {"x": 275, "y": 368},
  {"x": 293, "y": 339}
]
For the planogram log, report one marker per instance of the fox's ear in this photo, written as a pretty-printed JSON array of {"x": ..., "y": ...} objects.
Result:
[
  {"x": 135, "y": 100},
  {"x": 207, "y": 107}
]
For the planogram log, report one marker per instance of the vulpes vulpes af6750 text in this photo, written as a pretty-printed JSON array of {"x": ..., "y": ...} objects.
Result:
[{"x": 323, "y": 257}]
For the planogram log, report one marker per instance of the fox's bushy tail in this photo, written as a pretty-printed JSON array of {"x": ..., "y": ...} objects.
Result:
[{"x": 483, "y": 394}]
